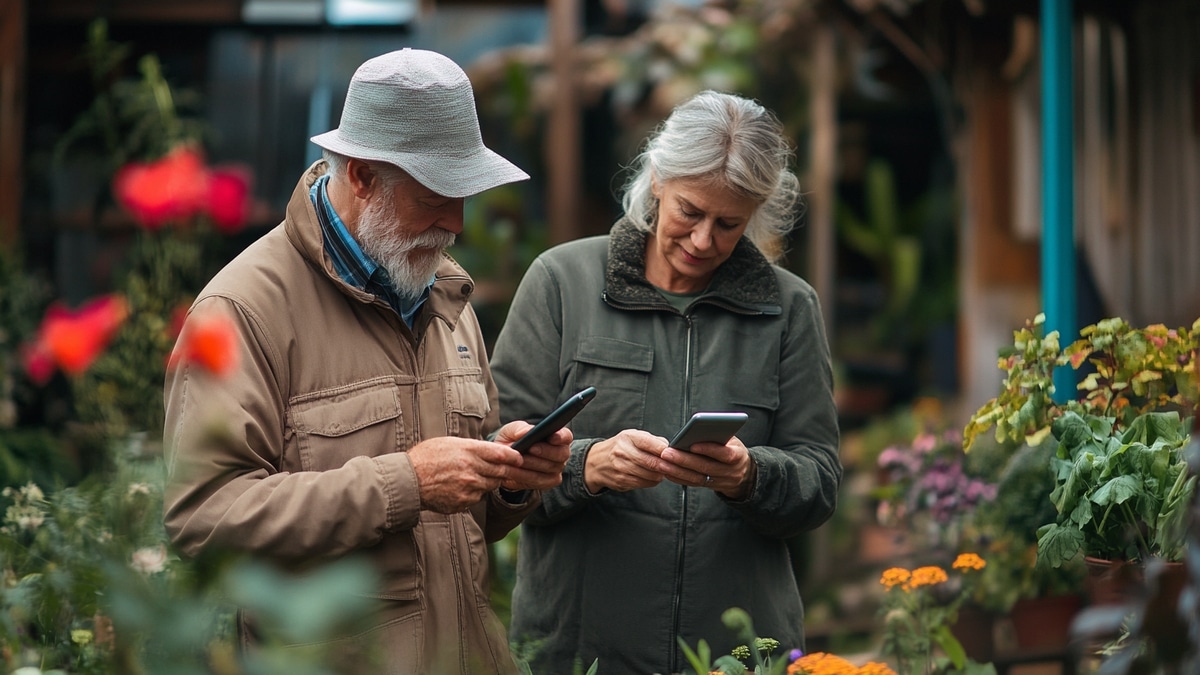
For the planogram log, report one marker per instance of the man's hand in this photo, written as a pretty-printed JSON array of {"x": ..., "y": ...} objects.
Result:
[
  {"x": 627, "y": 461},
  {"x": 455, "y": 473},
  {"x": 541, "y": 468}
]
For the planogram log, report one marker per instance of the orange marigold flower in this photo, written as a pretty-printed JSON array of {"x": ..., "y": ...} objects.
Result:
[
  {"x": 894, "y": 576},
  {"x": 969, "y": 561},
  {"x": 209, "y": 342},
  {"x": 928, "y": 576},
  {"x": 821, "y": 663},
  {"x": 874, "y": 668}
]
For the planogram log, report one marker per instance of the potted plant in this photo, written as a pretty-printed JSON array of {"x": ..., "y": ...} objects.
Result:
[
  {"x": 1038, "y": 600},
  {"x": 1120, "y": 481}
]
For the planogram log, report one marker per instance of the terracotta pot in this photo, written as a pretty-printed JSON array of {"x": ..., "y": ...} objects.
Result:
[
  {"x": 1121, "y": 583},
  {"x": 1116, "y": 582},
  {"x": 975, "y": 631},
  {"x": 1044, "y": 622},
  {"x": 879, "y": 544}
]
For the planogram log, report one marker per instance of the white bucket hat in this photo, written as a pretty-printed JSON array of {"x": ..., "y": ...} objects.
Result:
[{"x": 416, "y": 109}]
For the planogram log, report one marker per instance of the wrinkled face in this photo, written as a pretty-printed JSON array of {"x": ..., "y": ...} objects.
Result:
[
  {"x": 405, "y": 229},
  {"x": 699, "y": 224}
]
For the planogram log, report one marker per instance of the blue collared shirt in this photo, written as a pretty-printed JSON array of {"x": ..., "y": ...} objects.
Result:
[{"x": 353, "y": 265}]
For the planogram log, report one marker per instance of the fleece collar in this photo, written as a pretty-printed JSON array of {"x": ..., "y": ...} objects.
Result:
[{"x": 744, "y": 283}]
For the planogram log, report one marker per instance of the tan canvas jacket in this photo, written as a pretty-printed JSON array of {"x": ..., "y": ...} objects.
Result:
[{"x": 299, "y": 455}]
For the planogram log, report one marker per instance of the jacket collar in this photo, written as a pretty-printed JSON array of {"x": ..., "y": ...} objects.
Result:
[
  {"x": 452, "y": 286},
  {"x": 744, "y": 283}
]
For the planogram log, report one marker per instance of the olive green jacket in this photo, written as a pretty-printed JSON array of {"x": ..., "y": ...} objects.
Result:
[
  {"x": 618, "y": 576},
  {"x": 299, "y": 455}
]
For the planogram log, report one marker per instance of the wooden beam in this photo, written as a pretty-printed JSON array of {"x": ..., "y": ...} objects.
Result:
[
  {"x": 563, "y": 142},
  {"x": 12, "y": 118},
  {"x": 138, "y": 11}
]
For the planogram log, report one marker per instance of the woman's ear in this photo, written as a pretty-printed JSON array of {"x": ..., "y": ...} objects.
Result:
[{"x": 655, "y": 190}]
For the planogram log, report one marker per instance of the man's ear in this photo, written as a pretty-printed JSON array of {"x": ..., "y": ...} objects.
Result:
[{"x": 361, "y": 177}]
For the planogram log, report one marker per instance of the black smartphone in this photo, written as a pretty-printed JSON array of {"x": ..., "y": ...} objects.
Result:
[
  {"x": 555, "y": 420},
  {"x": 709, "y": 427}
]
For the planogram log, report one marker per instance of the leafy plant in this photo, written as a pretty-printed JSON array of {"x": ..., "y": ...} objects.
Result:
[
  {"x": 130, "y": 118},
  {"x": 1133, "y": 371},
  {"x": 893, "y": 237},
  {"x": 1118, "y": 496},
  {"x": 1005, "y": 528}
]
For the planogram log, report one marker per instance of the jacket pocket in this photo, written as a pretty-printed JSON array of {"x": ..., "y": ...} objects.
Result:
[
  {"x": 620, "y": 371},
  {"x": 331, "y": 427},
  {"x": 761, "y": 403},
  {"x": 466, "y": 403},
  {"x": 394, "y": 645}
]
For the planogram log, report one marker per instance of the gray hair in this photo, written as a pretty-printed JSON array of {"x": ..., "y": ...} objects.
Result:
[
  {"x": 391, "y": 176},
  {"x": 728, "y": 139}
]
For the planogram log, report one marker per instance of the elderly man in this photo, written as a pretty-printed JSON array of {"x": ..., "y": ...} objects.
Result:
[{"x": 353, "y": 423}]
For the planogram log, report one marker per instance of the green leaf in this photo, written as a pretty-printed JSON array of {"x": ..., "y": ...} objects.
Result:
[
  {"x": 950, "y": 645},
  {"x": 699, "y": 662},
  {"x": 729, "y": 665},
  {"x": 1117, "y": 491},
  {"x": 1058, "y": 543}
]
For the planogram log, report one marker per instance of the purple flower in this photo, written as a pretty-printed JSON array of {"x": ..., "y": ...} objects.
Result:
[{"x": 794, "y": 655}]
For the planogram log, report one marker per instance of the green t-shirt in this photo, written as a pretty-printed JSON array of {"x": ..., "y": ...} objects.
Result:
[{"x": 679, "y": 301}]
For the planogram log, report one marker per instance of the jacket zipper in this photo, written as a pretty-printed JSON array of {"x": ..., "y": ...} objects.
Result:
[{"x": 677, "y": 600}]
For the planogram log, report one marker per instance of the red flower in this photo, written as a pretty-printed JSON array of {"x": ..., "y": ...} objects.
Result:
[
  {"x": 168, "y": 189},
  {"x": 209, "y": 342},
  {"x": 71, "y": 340},
  {"x": 228, "y": 198}
]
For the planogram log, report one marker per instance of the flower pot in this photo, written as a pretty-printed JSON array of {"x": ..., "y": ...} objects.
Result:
[
  {"x": 879, "y": 543},
  {"x": 1044, "y": 622},
  {"x": 975, "y": 631},
  {"x": 1117, "y": 582},
  {"x": 1124, "y": 583}
]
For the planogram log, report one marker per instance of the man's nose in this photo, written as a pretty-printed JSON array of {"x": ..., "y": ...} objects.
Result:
[{"x": 452, "y": 219}]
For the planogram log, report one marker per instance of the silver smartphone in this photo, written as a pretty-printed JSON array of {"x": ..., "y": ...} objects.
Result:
[{"x": 709, "y": 427}]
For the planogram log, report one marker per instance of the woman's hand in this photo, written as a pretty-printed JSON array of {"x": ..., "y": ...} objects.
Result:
[
  {"x": 728, "y": 468},
  {"x": 627, "y": 461}
]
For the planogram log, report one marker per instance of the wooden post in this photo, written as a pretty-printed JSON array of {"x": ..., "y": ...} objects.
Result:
[
  {"x": 823, "y": 160},
  {"x": 821, "y": 258},
  {"x": 563, "y": 142},
  {"x": 12, "y": 118}
]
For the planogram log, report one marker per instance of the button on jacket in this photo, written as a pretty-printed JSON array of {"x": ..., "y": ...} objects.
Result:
[
  {"x": 620, "y": 575},
  {"x": 299, "y": 455}
]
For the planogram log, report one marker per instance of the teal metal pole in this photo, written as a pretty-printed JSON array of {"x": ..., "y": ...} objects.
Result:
[{"x": 1058, "y": 184}]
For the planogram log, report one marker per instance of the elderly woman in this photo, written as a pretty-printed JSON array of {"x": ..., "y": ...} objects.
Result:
[{"x": 677, "y": 310}]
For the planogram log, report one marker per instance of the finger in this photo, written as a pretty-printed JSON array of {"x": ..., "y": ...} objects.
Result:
[
  {"x": 509, "y": 433},
  {"x": 522, "y": 480}
]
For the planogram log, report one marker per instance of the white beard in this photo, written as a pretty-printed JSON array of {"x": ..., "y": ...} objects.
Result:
[{"x": 410, "y": 271}]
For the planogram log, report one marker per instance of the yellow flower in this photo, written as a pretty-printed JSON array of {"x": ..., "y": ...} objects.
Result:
[
  {"x": 927, "y": 576},
  {"x": 81, "y": 636},
  {"x": 969, "y": 561},
  {"x": 893, "y": 577}
]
